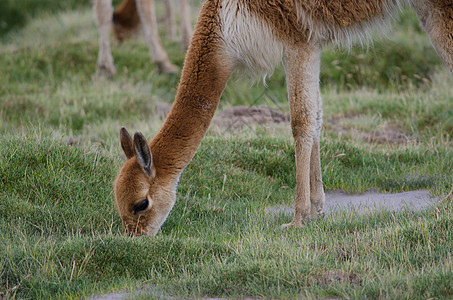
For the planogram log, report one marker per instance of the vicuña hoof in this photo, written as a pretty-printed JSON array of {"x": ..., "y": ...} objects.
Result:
[
  {"x": 167, "y": 68},
  {"x": 317, "y": 215},
  {"x": 107, "y": 71}
]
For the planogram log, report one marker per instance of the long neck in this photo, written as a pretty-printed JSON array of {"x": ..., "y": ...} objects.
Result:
[{"x": 203, "y": 80}]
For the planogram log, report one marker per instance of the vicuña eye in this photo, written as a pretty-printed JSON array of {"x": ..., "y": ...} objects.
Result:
[{"x": 142, "y": 205}]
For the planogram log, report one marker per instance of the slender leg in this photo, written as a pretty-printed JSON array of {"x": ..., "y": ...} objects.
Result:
[
  {"x": 147, "y": 15},
  {"x": 317, "y": 196},
  {"x": 103, "y": 12},
  {"x": 302, "y": 77},
  {"x": 169, "y": 20},
  {"x": 186, "y": 25}
]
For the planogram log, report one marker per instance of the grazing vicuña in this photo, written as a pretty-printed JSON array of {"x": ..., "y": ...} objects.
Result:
[{"x": 254, "y": 36}]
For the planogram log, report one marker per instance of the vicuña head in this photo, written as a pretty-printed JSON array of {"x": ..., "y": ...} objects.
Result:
[{"x": 143, "y": 198}]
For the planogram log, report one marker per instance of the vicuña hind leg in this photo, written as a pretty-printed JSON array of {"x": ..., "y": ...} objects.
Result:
[
  {"x": 302, "y": 76},
  {"x": 317, "y": 196}
]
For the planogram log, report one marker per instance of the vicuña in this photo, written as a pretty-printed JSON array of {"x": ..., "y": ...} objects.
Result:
[
  {"x": 126, "y": 20},
  {"x": 254, "y": 36}
]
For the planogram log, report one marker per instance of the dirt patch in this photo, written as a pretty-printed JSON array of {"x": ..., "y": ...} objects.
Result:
[
  {"x": 390, "y": 134},
  {"x": 247, "y": 116},
  {"x": 366, "y": 203},
  {"x": 238, "y": 116},
  {"x": 385, "y": 133}
]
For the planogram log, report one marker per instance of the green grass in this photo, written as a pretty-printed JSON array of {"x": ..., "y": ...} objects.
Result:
[{"x": 60, "y": 235}]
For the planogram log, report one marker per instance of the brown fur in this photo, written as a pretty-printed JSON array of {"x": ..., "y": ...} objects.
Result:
[
  {"x": 436, "y": 17},
  {"x": 284, "y": 15},
  {"x": 280, "y": 15},
  {"x": 201, "y": 85},
  {"x": 342, "y": 13},
  {"x": 222, "y": 41},
  {"x": 125, "y": 20}
]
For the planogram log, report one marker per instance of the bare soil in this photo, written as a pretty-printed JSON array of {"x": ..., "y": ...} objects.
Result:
[
  {"x": 386, "y": 133},
  {"x": 247, "y": 116},
  {"x": 238, "y": 116}
]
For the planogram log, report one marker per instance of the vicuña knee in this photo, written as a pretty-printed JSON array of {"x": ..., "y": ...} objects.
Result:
[{"x": 304, "y": 127}]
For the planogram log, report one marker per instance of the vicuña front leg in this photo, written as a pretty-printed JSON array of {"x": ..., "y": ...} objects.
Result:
[{"x": 302, "y": 77}]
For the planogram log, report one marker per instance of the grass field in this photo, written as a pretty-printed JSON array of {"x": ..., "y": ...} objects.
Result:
[{"x": 388, "y": 127}]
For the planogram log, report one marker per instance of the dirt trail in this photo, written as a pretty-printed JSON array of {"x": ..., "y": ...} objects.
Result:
[{"x": 368, "y": 202}]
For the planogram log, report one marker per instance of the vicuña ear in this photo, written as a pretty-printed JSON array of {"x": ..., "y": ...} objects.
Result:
[
  {"x": 144, "y": 156},
  {"x": 126, "y": 143}
]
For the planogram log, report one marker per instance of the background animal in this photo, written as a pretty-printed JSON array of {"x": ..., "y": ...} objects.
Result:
[{"x": 126, "y": 20}]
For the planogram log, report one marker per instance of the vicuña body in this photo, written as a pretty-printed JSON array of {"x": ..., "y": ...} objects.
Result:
[
  {"x": 255, "y": 35},
  {"x": 126, "y": 19}
]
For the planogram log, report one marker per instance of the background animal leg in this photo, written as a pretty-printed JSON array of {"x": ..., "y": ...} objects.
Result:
[
  {"x": 169, "y": 20},
  {"x": 186, "y": 25},
  {"x": 147, "y": 15},
  {"x": 103, "y": 12}
]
